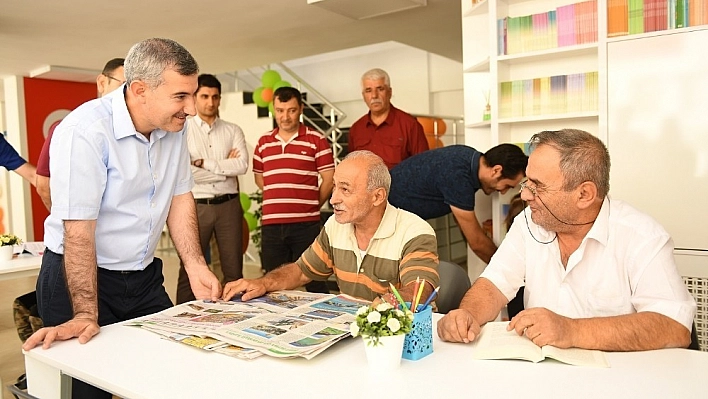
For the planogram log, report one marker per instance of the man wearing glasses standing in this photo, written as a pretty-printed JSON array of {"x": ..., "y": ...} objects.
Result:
[
  {"x": 599, "y": 274},
  {"x": 111, "y": 78}
]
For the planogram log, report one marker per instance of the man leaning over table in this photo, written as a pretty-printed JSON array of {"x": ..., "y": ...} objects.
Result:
[
  {"x": 599, "y": 274},
  {"x": 366, "y": 245},
  {"x": 120, "y": 169}
]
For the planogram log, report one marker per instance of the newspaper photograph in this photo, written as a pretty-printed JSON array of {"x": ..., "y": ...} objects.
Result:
[{"x": 281, "y": 324}]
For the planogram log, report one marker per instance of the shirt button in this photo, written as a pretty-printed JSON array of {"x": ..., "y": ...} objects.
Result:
[
  {"x": 152, "y": 204},
  {"x": 361, "y": 270},
  {"x": 154, "y": 176}
]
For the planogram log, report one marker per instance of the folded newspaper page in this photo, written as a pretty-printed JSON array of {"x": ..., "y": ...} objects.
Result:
[{"x": 284, "y": 324}]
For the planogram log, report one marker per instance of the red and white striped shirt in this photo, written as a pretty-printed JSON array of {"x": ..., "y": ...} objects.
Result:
[{"x": 290, "y": 175}]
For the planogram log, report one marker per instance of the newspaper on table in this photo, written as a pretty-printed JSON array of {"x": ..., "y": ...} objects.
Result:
[{"x": 282, "y": 324}]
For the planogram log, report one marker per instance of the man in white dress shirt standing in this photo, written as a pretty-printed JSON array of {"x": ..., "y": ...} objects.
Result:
[{"x": 218, "y": 154}]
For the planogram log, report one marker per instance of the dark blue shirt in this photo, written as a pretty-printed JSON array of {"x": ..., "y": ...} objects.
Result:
[
  {"x": 428, "y": 183},
  {"x": 9, "y": 158}
]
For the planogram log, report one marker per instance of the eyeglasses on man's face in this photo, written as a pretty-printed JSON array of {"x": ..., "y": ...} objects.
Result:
[
  {"x": 525, "y": 184},
  {"x": 112, "y": 78}
]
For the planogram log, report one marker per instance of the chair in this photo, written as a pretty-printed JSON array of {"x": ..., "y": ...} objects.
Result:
[
  {"x": 454, "y": 283},
  {"x": 697, "y": 285}
]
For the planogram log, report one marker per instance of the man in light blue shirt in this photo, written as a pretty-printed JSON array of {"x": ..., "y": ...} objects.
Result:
[{"x": 120, "y": 170}]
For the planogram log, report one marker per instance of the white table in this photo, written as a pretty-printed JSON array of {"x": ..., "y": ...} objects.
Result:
[
  {"x": 133, "y": 363},
  {"x": 24, "y": 265}
]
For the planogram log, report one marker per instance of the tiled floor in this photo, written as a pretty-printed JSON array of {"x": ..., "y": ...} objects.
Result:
[{"x": 11, "y": 360}]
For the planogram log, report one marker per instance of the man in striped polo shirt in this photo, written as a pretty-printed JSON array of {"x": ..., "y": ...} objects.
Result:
[
  {"x": 367, "y": 244},
  {"x": 287, "y": 163}
]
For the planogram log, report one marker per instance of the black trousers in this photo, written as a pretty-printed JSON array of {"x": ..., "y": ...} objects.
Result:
[
  {"x": 121, "y": 296},
  {"x": 284, "y": 243}
]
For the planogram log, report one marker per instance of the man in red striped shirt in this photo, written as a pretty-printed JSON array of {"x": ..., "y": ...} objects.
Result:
[{"x": 287, "y": 164}]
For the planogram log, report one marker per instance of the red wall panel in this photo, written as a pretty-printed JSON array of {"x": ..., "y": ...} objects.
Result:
[{"x": 46, "y": 103}]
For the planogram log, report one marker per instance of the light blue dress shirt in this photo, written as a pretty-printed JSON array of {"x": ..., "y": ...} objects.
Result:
[{"x": 102, "y": 169}]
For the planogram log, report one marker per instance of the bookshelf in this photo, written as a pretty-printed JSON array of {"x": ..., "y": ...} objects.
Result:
[
  {"x": 488, "y": 66},
  {"x": 525, "y": 44}
]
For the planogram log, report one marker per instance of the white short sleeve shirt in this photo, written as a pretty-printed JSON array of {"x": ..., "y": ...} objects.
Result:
[{"x": 624, "y": 265}]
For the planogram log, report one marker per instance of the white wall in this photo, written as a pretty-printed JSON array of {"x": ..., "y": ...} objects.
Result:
[
  {"x": 422, "y": 83},
  {"x": 246, "y": 117}
]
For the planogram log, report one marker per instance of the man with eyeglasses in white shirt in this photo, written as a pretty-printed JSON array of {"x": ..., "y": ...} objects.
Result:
[{"x": 598, "y": 273}]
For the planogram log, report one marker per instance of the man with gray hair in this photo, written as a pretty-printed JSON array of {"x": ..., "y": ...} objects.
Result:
[
  {"x": 120, "y": 170},
  {"x": 366, "y": 245},
  {"x": 599, "y": 274},
  {"x": 386, "y": 130}
]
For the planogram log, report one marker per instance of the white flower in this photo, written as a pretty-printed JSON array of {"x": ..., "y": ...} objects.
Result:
[
  {"x": 383, "y": 306},
  {"x": 393, "y": 324},
  {"x": 374, "y": 317},
  {"x": 362, "y": 310},
  {"x": 354, "y": 329},
  {"x": 398, "y": 312}
]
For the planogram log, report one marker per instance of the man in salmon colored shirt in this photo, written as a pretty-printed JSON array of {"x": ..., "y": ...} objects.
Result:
[{"x": 386, "y": 130}]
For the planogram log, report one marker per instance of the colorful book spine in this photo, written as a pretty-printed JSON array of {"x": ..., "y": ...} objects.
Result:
[
  {"x": 617, "y": 18},
  {"x": 549, "y": 95},
  {"x": 636, "y": 16}
]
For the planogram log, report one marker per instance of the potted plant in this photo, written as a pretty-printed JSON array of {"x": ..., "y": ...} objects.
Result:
[
  {"x": 383, "y": 329},
  {"x": 6, "y": 243}
]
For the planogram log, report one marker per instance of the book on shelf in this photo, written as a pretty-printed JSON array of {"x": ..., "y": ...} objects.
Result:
[
  {"x": 495, "y": 342},
  {"x": 559, "y": 94},
  {"x": 283, "y": 324},
  {"x": 567, "y": 25},
  {"x": 640, "y": 16}
]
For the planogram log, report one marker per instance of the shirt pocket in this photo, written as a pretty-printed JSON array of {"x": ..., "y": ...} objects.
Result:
[
  {"x": 608, "y": 305},
  {"x": 385, "y": 274}
]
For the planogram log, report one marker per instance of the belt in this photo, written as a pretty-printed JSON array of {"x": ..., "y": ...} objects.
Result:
[{"x": 219, "y": 199}]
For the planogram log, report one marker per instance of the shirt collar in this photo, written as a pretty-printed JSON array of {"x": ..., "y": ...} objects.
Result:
[
  {"x": 301, "y": 131},
  {"x": 389, "y": 118},
  {"x": 474, "y": 165},
  {"x": 387, "y": 226},
  {"x": 600, "y": 228},
  {"x": 202, "y": 123},
  {"x": 122, "y": 122}
]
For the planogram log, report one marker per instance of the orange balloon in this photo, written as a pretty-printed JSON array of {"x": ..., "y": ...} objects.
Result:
[
  {"x": 267, "y": 95},
  {"x": 442, "y": 126},
  {"x": 433, "y": 142},
  {"x": 427, "y": 123}
]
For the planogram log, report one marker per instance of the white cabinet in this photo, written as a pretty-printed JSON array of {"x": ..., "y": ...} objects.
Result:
[
  {"x": 650, "y": 108},
  {"x": 658, "y": 129}
]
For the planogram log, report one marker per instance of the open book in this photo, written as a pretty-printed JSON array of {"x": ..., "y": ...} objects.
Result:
[
  {"x": 282, "y": 324},
  {"x": 495, "y": 342}
]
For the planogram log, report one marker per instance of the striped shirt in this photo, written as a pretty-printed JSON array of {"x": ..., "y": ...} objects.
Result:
[
  {"x": 290, "y": 175},
  {"x": 404, "y": 247}
]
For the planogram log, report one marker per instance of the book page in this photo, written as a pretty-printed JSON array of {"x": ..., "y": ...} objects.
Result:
[
  {"x": 495, "y": 342},
  {"x": 577, "y": 356}
]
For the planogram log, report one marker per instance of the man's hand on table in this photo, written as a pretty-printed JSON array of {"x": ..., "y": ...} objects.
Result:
[
  {"x": 458, "y": 326},
  {"x": 83, "y": 328},
  {"x": 250, "y": 289}
]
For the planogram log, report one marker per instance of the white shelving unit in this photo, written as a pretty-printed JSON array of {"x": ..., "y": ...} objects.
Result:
[
  {"x": 484, "y": 70},
  {"x": 667, "y": 151}
]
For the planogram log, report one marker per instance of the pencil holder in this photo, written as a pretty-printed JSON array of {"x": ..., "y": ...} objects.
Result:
[{"x": 419, "y": 341}]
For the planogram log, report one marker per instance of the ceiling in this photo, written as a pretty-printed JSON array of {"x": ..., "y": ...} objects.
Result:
[{"x": 223, "y": 35}]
